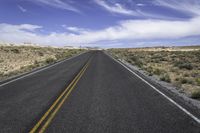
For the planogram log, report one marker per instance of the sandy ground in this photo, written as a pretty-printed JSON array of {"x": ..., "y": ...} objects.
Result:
[
  {"x": 179, "y": 66},
  {"x": 19, "y": 59}
]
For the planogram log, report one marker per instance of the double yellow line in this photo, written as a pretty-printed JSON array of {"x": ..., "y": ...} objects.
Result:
[{"x": 46, "y": 119}]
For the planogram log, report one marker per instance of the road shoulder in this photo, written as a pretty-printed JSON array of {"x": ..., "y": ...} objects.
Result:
[{"x": 187, "y": 103}]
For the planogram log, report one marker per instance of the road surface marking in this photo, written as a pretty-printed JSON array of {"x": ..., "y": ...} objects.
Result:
[
  {"x": 168, "y": 98},
  {"x": 60, "y": 104},
  {"x": 35, "y": 128},
  {"x": 39, "y": 70},
  {"x": 53, "y": 105}
]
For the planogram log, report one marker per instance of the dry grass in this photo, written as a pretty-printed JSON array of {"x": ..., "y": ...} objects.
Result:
[
  {"x": 179, "y": 66},
  {"x": 19, "y": 59}
]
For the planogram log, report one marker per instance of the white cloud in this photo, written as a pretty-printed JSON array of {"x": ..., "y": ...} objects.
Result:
[
  {"x": 116, "y": 8},
  {"x": 188, "y": 6},
  {"x": 7, "y": 27},
  {"x": 126, "y": 30},
  {"x": 56, "y": 4},
  {"x": 18, "y": 33},
  {"x": 76, "y": 29},
  {"x": 21, "y": 8},
  {"x": 140, "y": 4}
]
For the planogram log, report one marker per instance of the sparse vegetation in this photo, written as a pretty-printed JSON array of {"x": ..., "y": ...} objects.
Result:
[
  {"x": 158, "y": 71},
  {"x": 179, "y": 65},
  {"x": 198, "y": 81},
  {"x": 196, "y": 94},
  {"x": 15, "y": 50},
  {"x": 19, "y": 59},
  {"x": 166, "y": 78},
  {"x": 184, "y": 81},
  {"x": 50, "y": 60},
  {"x": 183, "y": 65}
]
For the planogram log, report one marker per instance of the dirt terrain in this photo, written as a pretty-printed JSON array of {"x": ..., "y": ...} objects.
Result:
[
  {"x": 15, "y": 60},
  {"x": 177, "y": 65}
]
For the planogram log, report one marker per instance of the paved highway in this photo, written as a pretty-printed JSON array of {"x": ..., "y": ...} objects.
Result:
[{"x": 91, "y": 93}]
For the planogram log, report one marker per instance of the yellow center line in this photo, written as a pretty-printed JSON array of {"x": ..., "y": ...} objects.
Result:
[
  {"x": 34, "y": 129},
  {"x": 60, "y": 104}
]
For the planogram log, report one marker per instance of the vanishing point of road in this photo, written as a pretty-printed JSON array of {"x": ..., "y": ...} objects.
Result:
[{"x": 91, "y": 93}]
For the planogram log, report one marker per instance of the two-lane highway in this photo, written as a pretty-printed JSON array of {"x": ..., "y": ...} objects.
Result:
[{"x": 94, "y": 94}]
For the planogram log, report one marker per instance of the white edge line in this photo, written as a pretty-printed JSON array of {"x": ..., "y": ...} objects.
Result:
[
  {"x": 47, "y": 67},
  {"x": 168, "y": 98}
]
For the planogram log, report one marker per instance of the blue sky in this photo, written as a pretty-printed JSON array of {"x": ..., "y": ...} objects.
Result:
[{"x": 103, "y": 23}]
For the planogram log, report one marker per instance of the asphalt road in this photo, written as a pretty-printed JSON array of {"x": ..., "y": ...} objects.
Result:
[{"x": 90, "y": 93}]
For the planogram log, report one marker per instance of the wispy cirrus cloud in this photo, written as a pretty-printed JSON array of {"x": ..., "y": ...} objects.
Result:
[
  {"x": 75, "y": 29},
  {"x": 116, "y": 8},
  {"x": 8, "y": 27},
  {"x": 22, "y": 8},
  {"x": 187, "y": 6},
  {"x": 135, "y": 9},
  {"x": 65, "y": 5}
]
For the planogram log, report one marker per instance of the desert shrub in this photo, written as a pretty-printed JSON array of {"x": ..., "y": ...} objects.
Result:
[
  {"x": 157, "y": 71},
  {"x": 8, "y": 74},
  {"x": 1, "y": 73},
  {"x": 27, "y": 68},
  {"x": 177, "y": 79},
  {"x": 156, "y": 61},
  {"x": 150, "y": 74},
  {"x": 134, "y": 58},
  {"x": 139, "y": 63},
  {"x": 194, "y": 74},
  {"x": 183, "y": 65},
  {"x": 71, "y": 52},
  {"x": 187, "y": 66},
  {"x": 149, "y": 70},
  {"x": 59, "y": 56},
  {"x": 184, "y": 81},
  {"x": 36, "y": 63},
  {"x": 50, "y": 60},
  {"x": 6, "y": 50},
  {"x": 136, "y": 61},
  {"x": 63, "y": 55},
  {"x": 129, "y": 61},
  {"x": 190, "y": 82},
  {"x": 66, "y": 54},
  {"x": 165, "y": 77},
  {"x": 196, "y": 94},
  {"x": 157, "y": 56},
  {"x": 186, "y": 75},
  {"x": 22, "y": 68},
  {"x": 40, "y": 53},
  {"x": 16, "y": 51},
  {"x": 198, "y": 81},
  {"x": 1, "y": 61},
  {"x": 173, "y": 70},
  {"x": 30, "y": 67},
  {"x": 173, "y": 56}
]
